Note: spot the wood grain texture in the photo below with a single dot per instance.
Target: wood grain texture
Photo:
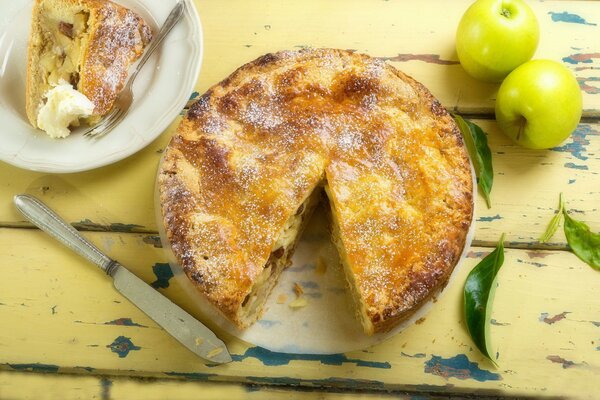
(545, 314)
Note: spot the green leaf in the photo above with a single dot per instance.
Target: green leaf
(476, 141)
(584, 243)
(554, 222)
(478, 296)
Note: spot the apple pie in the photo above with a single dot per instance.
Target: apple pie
(258, 151)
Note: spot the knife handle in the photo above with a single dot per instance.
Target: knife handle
(47, 220)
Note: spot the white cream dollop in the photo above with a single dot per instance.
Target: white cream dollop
(64, 106)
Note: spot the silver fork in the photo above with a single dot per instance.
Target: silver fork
(125, 98)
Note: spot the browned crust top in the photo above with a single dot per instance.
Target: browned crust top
(255, 145)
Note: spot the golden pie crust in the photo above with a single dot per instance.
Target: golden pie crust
(254, 147)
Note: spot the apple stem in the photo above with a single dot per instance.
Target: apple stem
(522, 123)
(505, 13)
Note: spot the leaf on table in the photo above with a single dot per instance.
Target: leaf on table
(584, 243)
(476, 141)
(478, 297)
(554, 222)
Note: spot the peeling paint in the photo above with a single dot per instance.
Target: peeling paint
(271, 358)
(545, 317)
(568, 18)
(122, 346)
(88, 225)
(35, 367)
(489, 219)
(495, 322)
(416, 355)
(459, 367)
(124, 322)
(579, 141)
(586, 87)
(559, 360)
(585, 58)
(576, 166)
(163, 274)
(153, 240)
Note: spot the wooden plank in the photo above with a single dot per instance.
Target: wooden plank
(525, 193)
(62, 315)
(417, 37)
(27, 385)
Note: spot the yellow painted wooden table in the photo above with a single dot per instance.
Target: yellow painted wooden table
(65, 333)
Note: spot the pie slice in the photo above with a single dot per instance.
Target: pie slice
(254, 153)
(79, 55)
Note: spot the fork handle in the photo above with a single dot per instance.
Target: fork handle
(47, 220)
(170, 22)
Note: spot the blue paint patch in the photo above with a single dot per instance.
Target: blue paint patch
(576, 166)
(163, 273)
(122, 346)
(459, 367)
(489, 219)
(416, 355)
(194, 95)
(36, 367)
(271, 358)
(579, 142)
(569, 18)
(268, 323)
(124, 322)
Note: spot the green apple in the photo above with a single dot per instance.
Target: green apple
(496, 36)
(539, 104)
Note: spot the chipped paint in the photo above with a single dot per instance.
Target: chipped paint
(489, 219)
(459, 367)
(497, 323)
(576, 166)
(35, 367)
(534, 263)
(153, 240)
(559, 360)
(122, 346)
(416, 355)
(579, 142)
(584, 58)
(428, 58)
(589, 89)
(568, 18)
(124, 322)
(163, 274)
(271, 358)
(545, 317)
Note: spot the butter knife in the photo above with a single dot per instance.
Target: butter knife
(181, 325)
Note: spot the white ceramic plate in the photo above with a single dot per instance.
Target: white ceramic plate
(327, 324)
(161, 91)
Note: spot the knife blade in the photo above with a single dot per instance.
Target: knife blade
(182, 326)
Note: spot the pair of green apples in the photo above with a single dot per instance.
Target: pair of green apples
(539, 102)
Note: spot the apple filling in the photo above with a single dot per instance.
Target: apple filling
(280, 258)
